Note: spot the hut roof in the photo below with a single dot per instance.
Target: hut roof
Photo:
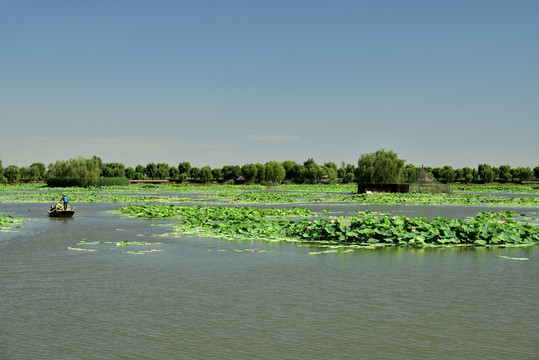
(423, 178)
(426, 183)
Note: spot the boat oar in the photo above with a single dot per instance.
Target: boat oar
(43, 212)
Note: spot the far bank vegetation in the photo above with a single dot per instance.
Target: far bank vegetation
(381, 166)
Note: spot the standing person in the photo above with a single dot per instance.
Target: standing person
(65, 201)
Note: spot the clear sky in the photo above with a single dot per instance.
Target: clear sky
(217, 82)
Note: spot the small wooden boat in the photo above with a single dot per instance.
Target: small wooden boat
(56, 212)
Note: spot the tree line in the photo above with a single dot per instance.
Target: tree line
(379, 167)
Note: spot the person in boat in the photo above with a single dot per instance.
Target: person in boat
(64, 201)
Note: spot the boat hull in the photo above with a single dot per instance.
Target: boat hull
(61, 213)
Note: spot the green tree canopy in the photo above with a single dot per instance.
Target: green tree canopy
(504, 173)
(275, 172)
(86, 171)
(447, 174)
(173, 172)
(410, 172)
(41, 170)
(35, 172)
(113, 169)
(195, 173)
(381, 167)
(150, 170)
(469, 174)
(162, 171)
(486, 173)
(98, 160)
(129, 173)
(205, 174)
(311, 172)
(217, 174)
(260, 173)
(12, 173)
(182, 177)
(331, 164)
(30, 173)
(248, 171)
(522, 173)
(288, 166)
(349, 177)
(231, 172)
(185, 168)
(329, 173)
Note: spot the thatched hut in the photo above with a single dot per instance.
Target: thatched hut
(426, 183)
(240, 181)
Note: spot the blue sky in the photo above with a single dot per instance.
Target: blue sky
(217, 82)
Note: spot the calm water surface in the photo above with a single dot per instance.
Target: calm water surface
(211, 299)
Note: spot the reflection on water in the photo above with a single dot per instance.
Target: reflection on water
(208, 298)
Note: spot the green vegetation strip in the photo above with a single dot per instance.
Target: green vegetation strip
(294, 194)
(497, 188)
(365, 229)
(7, 222)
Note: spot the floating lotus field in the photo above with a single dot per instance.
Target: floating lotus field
(7, 222)
(366, 229)
(299, 224)
(301, 194)
(385, 199)
(495, 188)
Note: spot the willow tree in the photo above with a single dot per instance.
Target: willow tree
(12, 173)
(381, 167)
(85, 172)
(205, 174)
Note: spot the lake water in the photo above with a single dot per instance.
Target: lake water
(203, 298)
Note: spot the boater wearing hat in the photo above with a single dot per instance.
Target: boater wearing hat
(65, 201)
